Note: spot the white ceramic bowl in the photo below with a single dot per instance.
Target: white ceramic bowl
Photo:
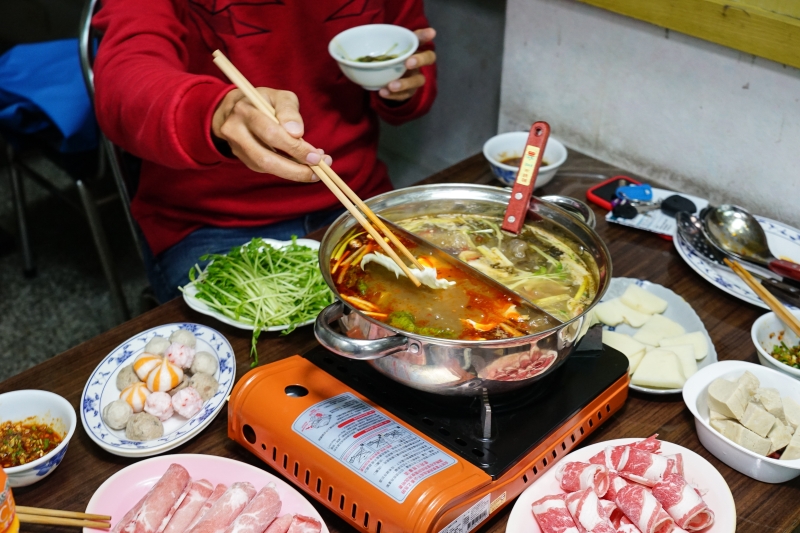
(737, 457)
(512, 144)
(765, 333)
(47, 408)
(373, 39)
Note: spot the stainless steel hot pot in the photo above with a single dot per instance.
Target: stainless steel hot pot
(452, 367)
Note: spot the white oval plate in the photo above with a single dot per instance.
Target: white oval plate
(699, 473)
(101, 389)
(190, 295)
(784, 241)
(122, 490)
(678, 310)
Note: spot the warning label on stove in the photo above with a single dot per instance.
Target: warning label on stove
(384, 453)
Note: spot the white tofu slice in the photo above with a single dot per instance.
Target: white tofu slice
(770, 399)
(755, 443)
(643, 301)
(633, 350)
(791, 412)
(696, 339)
(726, 398)
(685, 355)
(714, 415)
(749, 383)
(757, 419)
(792, 451)
(659, 369)
(656, 328)
(609, 313)
(779, 436)
(632, 317)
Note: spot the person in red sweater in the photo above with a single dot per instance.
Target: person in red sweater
(208, 179)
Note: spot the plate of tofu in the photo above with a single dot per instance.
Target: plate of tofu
(657, 330)
(748, 416)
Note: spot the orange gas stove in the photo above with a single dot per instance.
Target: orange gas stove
(390, 459)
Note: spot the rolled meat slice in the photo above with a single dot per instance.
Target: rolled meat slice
(261, 510)
(650, 444)
(613, 457)
(586, 511)
(576, 476)
(161, 499)
(626, 526)
(610, 510)
(677, 468)
(642, 508)
(280, 524)
(645, 467)
(304, 524)
(196, 496)
(552, 515)
(615, 484)
(128, 522)
(219, 490)
(226, 509)
(683, 503)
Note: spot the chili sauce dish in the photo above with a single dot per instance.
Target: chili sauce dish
(35, 429)
(778, 347)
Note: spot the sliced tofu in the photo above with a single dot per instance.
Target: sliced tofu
(723, 425)
(746, 438)
(792, 451)
(749, 383)
(609, 313)
(696, 339)
(770, 399)
(757, 419)
(633, 350)
(659, 369)
(779, 436)
(727, 398)
(645, 302)
(714, 415)
(656, 328)
(791, 412)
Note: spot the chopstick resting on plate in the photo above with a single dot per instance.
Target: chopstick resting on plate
(52, 517)
(786, 316)
(327, 175)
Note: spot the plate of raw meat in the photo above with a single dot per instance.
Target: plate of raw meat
(627, 485)
(198, 493)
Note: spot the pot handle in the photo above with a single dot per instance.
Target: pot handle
(353, 348)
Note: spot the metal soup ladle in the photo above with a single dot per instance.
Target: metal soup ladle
(739, 234)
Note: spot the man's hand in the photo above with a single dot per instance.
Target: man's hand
(252, 135)
(413, 79)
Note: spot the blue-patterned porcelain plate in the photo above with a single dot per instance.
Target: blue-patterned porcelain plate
(101, 389)
(784, 241)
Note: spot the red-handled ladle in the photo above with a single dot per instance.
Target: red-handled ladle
(739, 234)
(526, 177)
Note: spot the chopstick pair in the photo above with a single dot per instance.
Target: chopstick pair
(786, 316)
(52, 517)
(326, 174)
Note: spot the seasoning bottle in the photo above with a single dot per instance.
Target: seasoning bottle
(9, 523)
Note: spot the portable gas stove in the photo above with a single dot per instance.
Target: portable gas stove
(390, 459)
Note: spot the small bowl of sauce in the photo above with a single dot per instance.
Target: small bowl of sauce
(35, 429)
(504, 152)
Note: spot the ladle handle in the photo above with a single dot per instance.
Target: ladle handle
(526, 177)
(787, 269)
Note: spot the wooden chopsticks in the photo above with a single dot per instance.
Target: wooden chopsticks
(786, 316)
(52, 517)
(326, 174)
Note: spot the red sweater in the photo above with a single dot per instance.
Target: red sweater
(157, 88)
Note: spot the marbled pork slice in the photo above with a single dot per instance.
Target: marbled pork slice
(552, 515)
(641, 507)
(280, 524)
(127, 523)
(612, 457)
(586, 511)
(574, 476)
(196, 496)
(260, 512)
(304, 524)
(161, 499)
(615, 484)
(226, 509)
(219, 490)
(683, 503)
(645, 467)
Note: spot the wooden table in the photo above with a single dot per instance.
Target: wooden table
(759, 506)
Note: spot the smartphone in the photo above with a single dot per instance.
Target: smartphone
(603, 193)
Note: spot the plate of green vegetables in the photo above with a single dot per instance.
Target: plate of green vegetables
(263, 285)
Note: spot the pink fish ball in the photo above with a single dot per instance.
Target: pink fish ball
(180, 355)
(187, 402)
(159, 404)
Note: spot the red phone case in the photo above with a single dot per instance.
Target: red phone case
(602, 202)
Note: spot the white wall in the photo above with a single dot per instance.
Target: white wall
(469, 48)
(693, 115)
